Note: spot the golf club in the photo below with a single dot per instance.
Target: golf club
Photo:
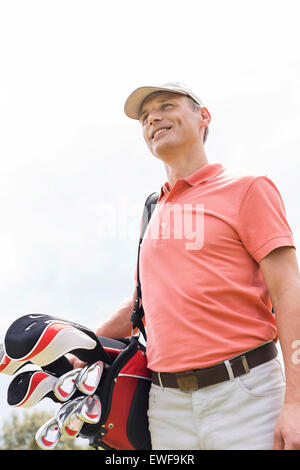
(89, 410)
(89, 377)
(69, 423)
(65, 386)
(48, 435)
(30, 387)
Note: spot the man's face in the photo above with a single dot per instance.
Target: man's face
(168, 122)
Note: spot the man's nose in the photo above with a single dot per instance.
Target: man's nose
(154, 116)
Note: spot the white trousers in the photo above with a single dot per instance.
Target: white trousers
(235, 415)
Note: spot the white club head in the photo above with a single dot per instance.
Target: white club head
(89, 410)
(48, 435)
(72, 426)
(69, 423)
(88, 379)
(65, 386)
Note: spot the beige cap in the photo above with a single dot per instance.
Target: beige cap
(137, 97)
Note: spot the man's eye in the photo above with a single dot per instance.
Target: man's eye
(165, 105)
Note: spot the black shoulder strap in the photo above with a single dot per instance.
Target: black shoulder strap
(138, 311)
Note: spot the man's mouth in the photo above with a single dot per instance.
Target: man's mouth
(159, 131)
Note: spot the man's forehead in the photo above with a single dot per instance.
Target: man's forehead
(160, 96)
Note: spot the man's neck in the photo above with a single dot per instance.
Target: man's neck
(183, 167)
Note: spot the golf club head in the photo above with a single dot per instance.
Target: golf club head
(48, 435)
(43, 339)
(89, 410)
(29, 388)
(65, 386)
(89, 377)
(69, 423)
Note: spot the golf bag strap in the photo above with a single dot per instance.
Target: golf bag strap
(138, 311)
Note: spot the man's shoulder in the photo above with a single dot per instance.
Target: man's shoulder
(241, 177)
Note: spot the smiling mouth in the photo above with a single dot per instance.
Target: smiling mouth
(160, 131)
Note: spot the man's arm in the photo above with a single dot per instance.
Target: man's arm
(281, 274)
(118, 325)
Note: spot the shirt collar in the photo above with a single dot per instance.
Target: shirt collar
(206, 172)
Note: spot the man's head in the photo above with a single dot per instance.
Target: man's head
(172, 117)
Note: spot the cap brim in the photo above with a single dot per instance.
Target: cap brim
(135, 100)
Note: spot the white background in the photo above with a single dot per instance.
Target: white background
(66, 147)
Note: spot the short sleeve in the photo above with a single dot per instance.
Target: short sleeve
(262, 223)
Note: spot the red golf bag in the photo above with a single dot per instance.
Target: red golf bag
(123, 391)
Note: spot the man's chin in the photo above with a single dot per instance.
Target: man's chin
(163, 150)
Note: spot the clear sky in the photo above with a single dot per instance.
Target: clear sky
(68, 152)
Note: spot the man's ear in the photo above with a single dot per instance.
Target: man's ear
(206, 117)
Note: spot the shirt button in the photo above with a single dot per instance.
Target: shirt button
(168, 203)
(163, 224)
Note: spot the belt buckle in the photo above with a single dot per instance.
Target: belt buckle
(187, 381)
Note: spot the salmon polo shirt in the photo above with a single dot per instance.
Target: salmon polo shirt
(204, 296)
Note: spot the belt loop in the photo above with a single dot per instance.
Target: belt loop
(160, 381)
(229, 370)
(245, 364)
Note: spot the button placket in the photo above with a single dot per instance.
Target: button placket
(168, 206)
(165, 216)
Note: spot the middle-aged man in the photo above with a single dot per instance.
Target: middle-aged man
(211, 332)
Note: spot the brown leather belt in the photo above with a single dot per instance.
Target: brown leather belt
(192, 380)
